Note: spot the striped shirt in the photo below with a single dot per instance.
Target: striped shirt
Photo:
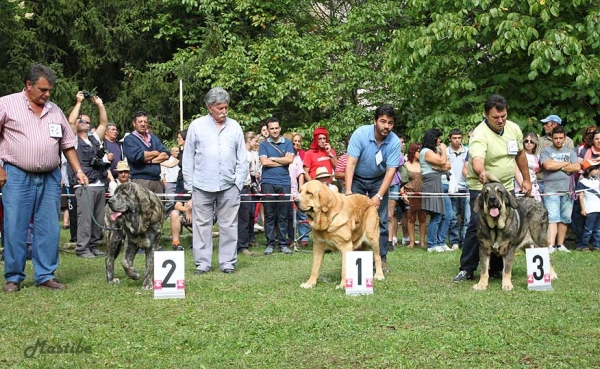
(25, 139)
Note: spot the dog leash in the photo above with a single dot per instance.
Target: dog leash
(87, 195)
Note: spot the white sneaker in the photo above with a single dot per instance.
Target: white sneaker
(563, 248)
(433, 249)
(394, 241)
(551, 249)
(444, 248)
(405, 240)
(258, 227)
(455, 247)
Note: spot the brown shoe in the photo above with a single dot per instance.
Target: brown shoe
(10, 287)
(52, 284)
(246, 252)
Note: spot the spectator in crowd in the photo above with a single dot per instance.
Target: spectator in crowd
(144, 153)
(412, 191)
(434, 164)
(35, 131)
(532, 151)
(592, 148)
(496, 146)
(550, 122)
(296, 170)
(587, 141)
(113, 146)
(169, 172)
(180, 215)
(402, 203)
(95, 164)
(589, 200)
(320, 154)
(340, 168)
(276, 154)
(122, 177)
(393, 199)
(373, 156)
(264, 131)
(324, 176)
(457, 154)
(215, 169)
(246, 210)
(558, 163)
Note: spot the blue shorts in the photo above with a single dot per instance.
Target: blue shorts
(559, 208)
(394, 192)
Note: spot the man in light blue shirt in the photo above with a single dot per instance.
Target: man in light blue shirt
(373, 156)
(214, 169)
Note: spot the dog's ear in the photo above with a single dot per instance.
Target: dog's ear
(512, 201)
(325, 198)
(489, 178)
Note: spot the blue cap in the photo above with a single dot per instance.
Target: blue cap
(552, 118)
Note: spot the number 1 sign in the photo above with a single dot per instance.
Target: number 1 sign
(538, 268)
(359, 273)
(169, 278)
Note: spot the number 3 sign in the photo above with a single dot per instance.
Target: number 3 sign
(538, 268)
(169, 278)
(359, 273)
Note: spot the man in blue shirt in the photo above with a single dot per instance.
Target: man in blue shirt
(373, 156)
(214, 169)
(276, 154)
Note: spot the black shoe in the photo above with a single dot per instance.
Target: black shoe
(86, 255)
(462, 276)
(200, 271)
(228, 271)
(97, 252)
(495, 274)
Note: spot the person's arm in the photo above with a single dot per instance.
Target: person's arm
(306, 175)
(518, 176)
(75, 112)
(465, 169)
(73, 160)
(350, 166)
(385, 185)
(571, 168)
(102, 118)
(582, 204)
(437, 159)
(479, 167)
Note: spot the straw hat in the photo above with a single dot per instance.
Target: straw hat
(323, 172)
(122, 167)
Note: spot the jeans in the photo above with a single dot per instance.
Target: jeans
(469, 258)
(245, 212)
(276, 212)
(370, 187)
(591, 230)
(456, 233)
(303, 227)
(28, 195)
(445, 224)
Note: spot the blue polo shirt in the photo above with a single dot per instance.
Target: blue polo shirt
(276, 175)
(363, 147)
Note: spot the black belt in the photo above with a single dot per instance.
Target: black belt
(368, 179)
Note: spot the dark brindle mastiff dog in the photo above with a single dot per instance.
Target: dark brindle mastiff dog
(134, 218)
(506, 224)
(339, 223)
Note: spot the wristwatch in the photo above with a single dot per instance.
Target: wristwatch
(379, 196)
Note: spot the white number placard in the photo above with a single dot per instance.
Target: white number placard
(169, 274)
(538, 268)
(359, 273)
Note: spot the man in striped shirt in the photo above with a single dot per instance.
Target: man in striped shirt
(33, 131)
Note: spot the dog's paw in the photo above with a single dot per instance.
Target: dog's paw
(115, 281)
(340, 286)
(507, 286)
(553, 275)
(148, 287)
(379, 277)
(480, 287)
(307, 285)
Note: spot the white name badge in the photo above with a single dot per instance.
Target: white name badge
(359, 273)
(512, 147)
(378, 157)
(55, 130)
(538, 268)
(169, 274)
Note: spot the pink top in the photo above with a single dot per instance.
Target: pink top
(25, 139)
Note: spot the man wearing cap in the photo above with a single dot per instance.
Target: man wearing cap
(122, 170)
(373, 156)
(320, 154)
(550, 122)
(558, 163)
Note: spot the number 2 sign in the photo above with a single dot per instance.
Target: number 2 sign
(359, 273)
(538, 268)
(169, 278)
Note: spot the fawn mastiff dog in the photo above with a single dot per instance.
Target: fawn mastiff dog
(506, 224)
(133, 218)
(339, 223)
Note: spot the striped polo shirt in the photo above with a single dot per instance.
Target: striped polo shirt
(25, 139)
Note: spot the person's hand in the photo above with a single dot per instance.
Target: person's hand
(481, 176)
(82, 179)
(97, 100)
(188, 205)
(188, 217)
(110, 156)
(583, 212)
(2, 177)
(376, 201)
(526, 187)
(79, 97)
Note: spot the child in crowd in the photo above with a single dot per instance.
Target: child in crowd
(590, 205)
(323, 175)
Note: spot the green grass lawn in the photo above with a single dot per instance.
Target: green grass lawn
(259, 317)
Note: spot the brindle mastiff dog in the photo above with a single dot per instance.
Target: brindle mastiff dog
(339, 223)
(134, 218)
(506, 224)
